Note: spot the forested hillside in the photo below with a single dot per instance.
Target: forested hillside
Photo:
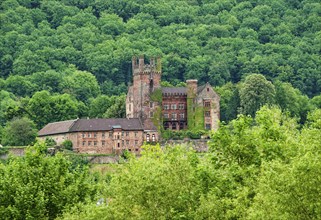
(65, 59)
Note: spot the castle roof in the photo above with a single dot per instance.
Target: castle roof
(180, 90)
(100, 124)
(59, 127)
(107, 124)
(173, 90)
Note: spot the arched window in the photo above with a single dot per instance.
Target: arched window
(147, 138)
(153, 138)
(151, 86)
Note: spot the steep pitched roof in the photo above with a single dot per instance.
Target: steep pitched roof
(172, 90)
(59, 127)
(107, 124)
(200, 88)
(101, 124)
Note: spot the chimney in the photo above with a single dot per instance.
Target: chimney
(134, 63)
(141, 63)
(191, 88)
(159, 65)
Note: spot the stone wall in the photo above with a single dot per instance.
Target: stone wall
(16, 151)
(199, 145)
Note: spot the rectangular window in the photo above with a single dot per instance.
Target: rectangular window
(95, 134)
(122, 134)
(103, 135)
(207, 126)
(136, 142)
(110, 134)
(89, 143)
(181, 106)
(173, 106)
(95, 143)
(166, 106)
(174, 116)
(83, 143)
(127, 133)
(207, 114)
(127, 142)
(166, 116)
(83, 135)
(181, 116)
(151, 104)
(103, 143)
(89, 135)
(136, 133)
(151, 114)
(207, 104)
(123, 142)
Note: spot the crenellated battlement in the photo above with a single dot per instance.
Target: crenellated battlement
(139, 67)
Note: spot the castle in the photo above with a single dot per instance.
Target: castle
(150, 108)
(189, 107)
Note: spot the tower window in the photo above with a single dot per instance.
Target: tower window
(153, 137)
(207, 113)
(207, 126)
(151, 86)
(207, 104)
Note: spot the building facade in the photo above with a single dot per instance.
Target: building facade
(149, 108)
(100, 136)
(174, 108)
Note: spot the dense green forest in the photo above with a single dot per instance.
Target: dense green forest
(66, 59)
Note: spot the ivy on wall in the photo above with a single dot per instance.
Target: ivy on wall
(195, 115)
(156, 96)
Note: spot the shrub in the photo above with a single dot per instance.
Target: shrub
(67, 144)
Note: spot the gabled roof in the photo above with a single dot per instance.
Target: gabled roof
(172, 90)
(59, 127)
(200, 88)
(100, 124)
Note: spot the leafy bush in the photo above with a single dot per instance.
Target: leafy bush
(67, 144)
(50, 142)
(40, 187)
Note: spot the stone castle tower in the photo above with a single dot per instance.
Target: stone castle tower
(146, 79)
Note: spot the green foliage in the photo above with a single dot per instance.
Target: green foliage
(84, 48)
(160, 184)
(40, 187)
(292, 100)
(50, 142)
(19, 132)
(156, 96)
(229, 101)
(180, 135)
(67, 144)
(45, 108)
(83, 85)
(255, 92)
(117, 109)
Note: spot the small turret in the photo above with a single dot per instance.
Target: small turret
(191, 88)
